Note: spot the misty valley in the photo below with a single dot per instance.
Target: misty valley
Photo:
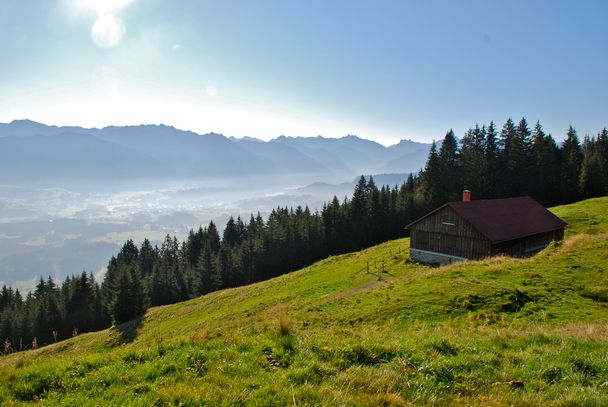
(60, 220)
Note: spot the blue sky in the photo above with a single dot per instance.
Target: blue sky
(384, 70)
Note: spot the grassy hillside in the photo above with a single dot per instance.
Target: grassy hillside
(334, 334)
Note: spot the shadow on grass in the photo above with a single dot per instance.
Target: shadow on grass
(128, 330)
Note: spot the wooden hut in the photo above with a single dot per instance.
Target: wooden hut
(473, 229)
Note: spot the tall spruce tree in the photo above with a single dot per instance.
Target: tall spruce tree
(431, 178)
(545, 172)
(591, 180)
(471, 160)
(509, 145)
(449, 176)
(130, 299)
(572, 158)
(491, 174)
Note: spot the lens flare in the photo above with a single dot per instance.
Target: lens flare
(107, 6)
(107, 31)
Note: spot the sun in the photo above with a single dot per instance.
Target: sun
(108, 30)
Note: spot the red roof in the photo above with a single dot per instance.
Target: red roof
(501, 220)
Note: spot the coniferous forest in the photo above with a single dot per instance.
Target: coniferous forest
(516, 160)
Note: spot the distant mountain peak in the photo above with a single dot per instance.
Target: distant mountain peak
(246, 138)
(23, 121)
(27, 123)
(405, 142)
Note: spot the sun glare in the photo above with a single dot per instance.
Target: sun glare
(107, 6)
(107, 31)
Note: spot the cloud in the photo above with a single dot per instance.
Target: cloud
(108, 30)
(176, 47)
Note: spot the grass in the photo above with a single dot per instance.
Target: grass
(331, 334)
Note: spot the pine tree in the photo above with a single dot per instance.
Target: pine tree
(544, 174)
(602, 154)
(514, 158)
(357, 215)
(592, 182)
(572, 158)
(128, 253)
(129, 301)
(204, 272)
(509, 145)
(449, 177)
(213, 238)
(491, 174)
(231, 234)
(472, 160)
(217, 279)
(148, 256)
(358, 204)
(431, 178)
(168, 284)
(80, 306)
(373, 227)
(108, 286)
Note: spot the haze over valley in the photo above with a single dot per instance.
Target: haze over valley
(71, 196)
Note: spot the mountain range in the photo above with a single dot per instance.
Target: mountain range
(34, 151)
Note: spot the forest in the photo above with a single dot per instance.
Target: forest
(515, 161)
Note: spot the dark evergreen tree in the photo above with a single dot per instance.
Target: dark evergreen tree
(204, 271)
(544, 176)
(430, 178)
(449, 190)
(148, 256)
(491, 175)
(129, 302)
(232, 235)
(471, 160)
(592, 181)
(80, 305)
(513, 154)
(602, 151)
(571, 161)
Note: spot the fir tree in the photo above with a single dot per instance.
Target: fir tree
(491, 174)
(591, 180)
(431, 176)
(449, 177)
(129, 301)
(572, 158)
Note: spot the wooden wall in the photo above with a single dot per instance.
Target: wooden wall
(528, 245)
(446, 232)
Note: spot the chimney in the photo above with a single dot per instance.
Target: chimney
(466, 196)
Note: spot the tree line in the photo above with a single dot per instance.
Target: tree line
(513, 162)
(50, 312)
(516, 161)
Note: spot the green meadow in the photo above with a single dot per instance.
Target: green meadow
(363, 329)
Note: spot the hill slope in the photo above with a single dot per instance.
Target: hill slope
(333, 334)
